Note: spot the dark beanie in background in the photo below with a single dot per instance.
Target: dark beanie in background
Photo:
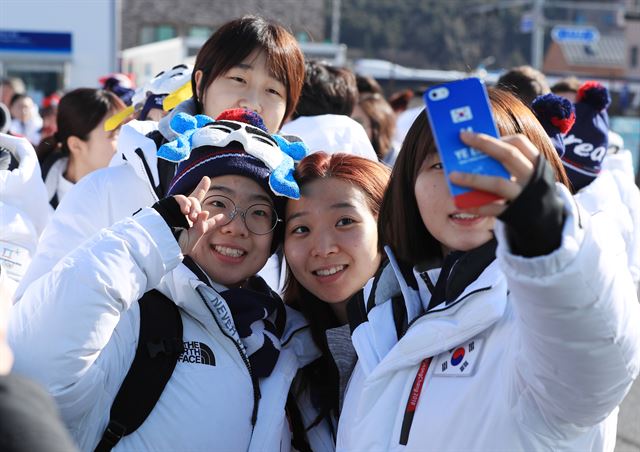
(557, 116)
(587, 141)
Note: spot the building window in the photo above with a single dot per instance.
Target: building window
(200, 32)
(634, 57)
(153, 33)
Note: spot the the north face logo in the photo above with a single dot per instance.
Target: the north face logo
(197, 353)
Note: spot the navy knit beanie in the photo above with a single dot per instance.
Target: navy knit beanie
(236, 143)
(557, 116)
(586, 143)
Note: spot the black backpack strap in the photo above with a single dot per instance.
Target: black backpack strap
(159, 346)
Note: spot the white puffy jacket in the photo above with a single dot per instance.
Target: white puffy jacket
(76, 329)
(24, 209)
(535, 354)
(614, 191)
(108, 195)
(98, 200)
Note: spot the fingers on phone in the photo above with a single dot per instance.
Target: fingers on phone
(524, 145)
(499, 186)
(515, 152)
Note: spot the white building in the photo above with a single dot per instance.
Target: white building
(55, 44)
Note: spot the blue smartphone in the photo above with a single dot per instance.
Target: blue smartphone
(453, 107)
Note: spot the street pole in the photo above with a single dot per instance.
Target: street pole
(537, 36)
(335, 22)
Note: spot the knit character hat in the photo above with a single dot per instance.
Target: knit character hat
(557, 116)
(153, 94)
(587, 141)
(238, 143)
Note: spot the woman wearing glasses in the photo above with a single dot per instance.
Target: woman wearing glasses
(200, 247)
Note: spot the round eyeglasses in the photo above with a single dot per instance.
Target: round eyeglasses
(260, 219)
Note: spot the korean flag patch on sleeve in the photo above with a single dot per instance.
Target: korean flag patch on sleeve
(460, 361)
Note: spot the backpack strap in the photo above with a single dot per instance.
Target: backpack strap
(159, 346)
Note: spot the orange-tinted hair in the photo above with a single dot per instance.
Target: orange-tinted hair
(371, 178)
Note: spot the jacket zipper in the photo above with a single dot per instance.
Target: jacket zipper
(147, 170)
(245, 360)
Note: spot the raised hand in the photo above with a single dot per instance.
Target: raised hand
(199, 221)
(515, 152)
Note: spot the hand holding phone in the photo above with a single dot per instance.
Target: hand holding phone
(451, 108)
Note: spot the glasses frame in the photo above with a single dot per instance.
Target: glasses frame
(243, 213)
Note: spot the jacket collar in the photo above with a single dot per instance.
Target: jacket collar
(385, 342)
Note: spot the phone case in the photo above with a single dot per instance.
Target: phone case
(452, 107)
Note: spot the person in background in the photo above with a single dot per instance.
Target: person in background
(517, 320)
(9, 87)
(249, 63)
(399, 101)
(119, 84)
(525, 82)
(567, 88)
(49, 112)
(331, 249)
(603, 181)
(147, 103)
(322, 118)
(80, 145)
(5, 119)
(25, 118)
(375, 114)
(368, 84)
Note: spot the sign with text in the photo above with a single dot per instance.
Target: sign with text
(575, 34)
(26, 41)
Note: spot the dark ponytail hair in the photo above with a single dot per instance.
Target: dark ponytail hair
(79, 112)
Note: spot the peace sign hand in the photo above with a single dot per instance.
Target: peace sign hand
(198, 219)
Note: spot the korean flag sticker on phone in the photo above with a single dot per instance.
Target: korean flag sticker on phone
(460, 361)
(461, 114)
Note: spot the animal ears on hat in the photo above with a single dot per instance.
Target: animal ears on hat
(185, 125)
(555, 113)
(297, 150)
(594, 94)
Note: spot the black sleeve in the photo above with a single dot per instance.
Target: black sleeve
(169, 210)
(535, 219)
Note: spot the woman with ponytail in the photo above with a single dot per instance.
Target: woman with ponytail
(81, 145)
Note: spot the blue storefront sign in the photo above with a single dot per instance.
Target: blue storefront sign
(26, 41)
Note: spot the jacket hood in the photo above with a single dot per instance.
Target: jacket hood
(331, 134)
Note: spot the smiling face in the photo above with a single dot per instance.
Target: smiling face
(247, 85)
(230, 254)
(331, 240)
(456, 231)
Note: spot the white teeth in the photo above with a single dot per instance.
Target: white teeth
(226, 251)
(329, 271)
(464, 216)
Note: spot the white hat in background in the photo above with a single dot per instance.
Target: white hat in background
(331, 134)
